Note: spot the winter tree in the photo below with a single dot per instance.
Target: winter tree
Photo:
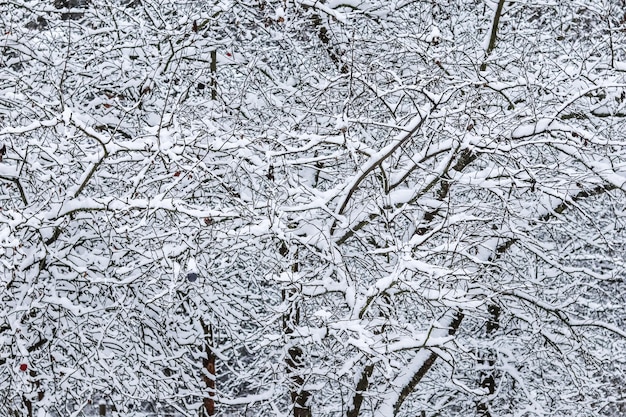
(313, 208)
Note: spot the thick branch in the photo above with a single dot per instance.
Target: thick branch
(494, 34)
(420, 365)
(361, 387)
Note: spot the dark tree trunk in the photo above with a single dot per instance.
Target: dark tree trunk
(487, 360)
(208, 365)
(361, 387)
(300, 398)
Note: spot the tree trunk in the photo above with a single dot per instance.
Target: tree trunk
(361, 387)
(208, 375)
(213, 68)
(300, 398)
(494, 34)
(487, 360)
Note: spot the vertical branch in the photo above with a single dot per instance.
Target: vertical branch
(28, 402)
(208, 370)
(494, 34)
(29, 406)
(361, 387)
(363, 383)
(299, 397)
(213, 69)
(487, 360)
